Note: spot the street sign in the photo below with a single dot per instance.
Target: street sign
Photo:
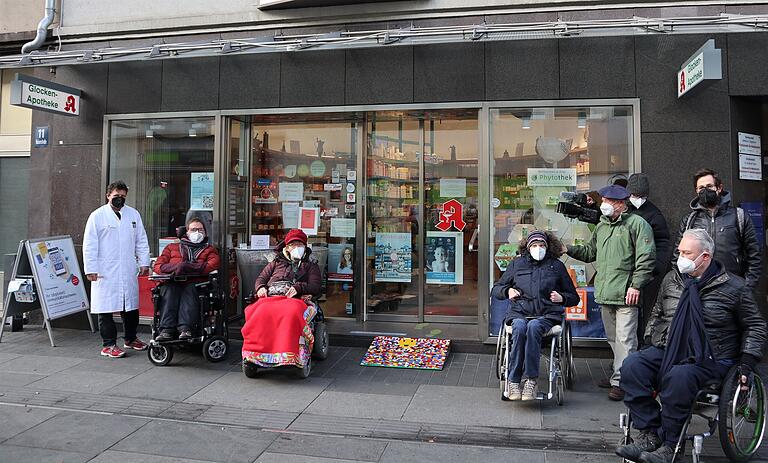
(33, 93)
(41, 137)
(704, 65)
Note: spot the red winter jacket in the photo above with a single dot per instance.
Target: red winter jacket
(171, 261)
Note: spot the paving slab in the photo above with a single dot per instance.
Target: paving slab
(38, 364)
(192, 440)
(4, 357)
(18, 379)
(16, 420)
(359, 405)
(18, 454)
(171, 382)
(367, 386)
(584, 411)
(573, 457)
(78, 432)
(268, 392)
(132, 365)
(285, 458)
(477, 406)
(112, 456)
(398, 452)
(80, 381)
(337, 448)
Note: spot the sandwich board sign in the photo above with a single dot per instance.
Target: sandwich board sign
(46, 276)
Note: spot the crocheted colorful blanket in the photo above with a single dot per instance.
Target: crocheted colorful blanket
(397, 352)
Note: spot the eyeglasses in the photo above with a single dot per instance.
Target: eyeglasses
(196, 229)
(708, 187)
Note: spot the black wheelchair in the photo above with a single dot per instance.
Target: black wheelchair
(738, 416)
(319, 331)
(561, 372)
(212, 332)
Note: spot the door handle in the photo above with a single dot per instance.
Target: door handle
(473, 241)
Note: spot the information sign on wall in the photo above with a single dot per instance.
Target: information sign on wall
(33, 93)
(704, 65)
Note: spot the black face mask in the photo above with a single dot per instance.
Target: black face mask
(118, 202)
(708, 198)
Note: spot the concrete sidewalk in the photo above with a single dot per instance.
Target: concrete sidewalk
(69, 404)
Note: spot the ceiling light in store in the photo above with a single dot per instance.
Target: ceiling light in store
(526, 122)
(192, 132)
(149, 134)
(582, 121)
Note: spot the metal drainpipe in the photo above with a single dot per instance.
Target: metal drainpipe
(42, 28)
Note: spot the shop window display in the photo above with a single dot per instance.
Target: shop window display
(537, 154)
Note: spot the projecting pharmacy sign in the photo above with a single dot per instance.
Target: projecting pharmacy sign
(704, 65)
(34, 93)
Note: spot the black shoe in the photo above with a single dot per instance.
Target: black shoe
(184, 335)
(646, 441)
(165, 335)
(663, 454)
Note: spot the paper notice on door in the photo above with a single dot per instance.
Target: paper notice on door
(259, 241)
(343, 228)
(291, 191)
(290, 215)
(309, 220)
(453, 188)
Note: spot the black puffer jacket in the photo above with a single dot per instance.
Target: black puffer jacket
(661, 236)
(732, 319)
(536, 280)
(738, 252)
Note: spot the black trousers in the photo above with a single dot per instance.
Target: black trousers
(108, 329)
(677, 391)
(180, 306)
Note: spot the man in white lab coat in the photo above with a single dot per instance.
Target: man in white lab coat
(115, 247)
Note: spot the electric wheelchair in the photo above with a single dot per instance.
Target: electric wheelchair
(738, 417)
(317, 325)
(561, 372)
(212, 332)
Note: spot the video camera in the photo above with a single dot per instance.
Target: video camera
(575, 206)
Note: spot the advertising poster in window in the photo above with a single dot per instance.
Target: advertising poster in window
(393, 257)
(444, 258)
(201, 191)
(340, 259)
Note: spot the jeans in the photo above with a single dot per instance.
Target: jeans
(677, 390)
(180, 306)
(620, 322)
(526, 347)
(108, 330)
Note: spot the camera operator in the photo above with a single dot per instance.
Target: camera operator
(624, 253)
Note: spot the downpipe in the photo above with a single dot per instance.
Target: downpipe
(42, 28)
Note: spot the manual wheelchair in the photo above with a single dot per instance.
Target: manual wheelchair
(212, 332)
(561, 372)
(739, 419)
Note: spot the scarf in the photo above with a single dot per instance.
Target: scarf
(191, 251)
(687, 337)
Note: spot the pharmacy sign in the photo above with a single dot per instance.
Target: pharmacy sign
(33, 93)
(704, 65)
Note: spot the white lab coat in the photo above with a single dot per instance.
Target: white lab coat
(115, 249)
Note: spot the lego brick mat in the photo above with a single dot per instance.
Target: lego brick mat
(416, 353)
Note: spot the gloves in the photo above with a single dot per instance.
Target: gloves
(746, 367)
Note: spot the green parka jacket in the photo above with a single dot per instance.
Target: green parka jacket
(624, 254)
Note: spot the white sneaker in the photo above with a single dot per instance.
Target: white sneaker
(530, 391)
(515, 393)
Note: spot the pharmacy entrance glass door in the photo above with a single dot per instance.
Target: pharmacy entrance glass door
(422, 216)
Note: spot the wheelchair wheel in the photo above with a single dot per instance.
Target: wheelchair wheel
(742, 417)
(320, 348)
(160, 355)
(215, 348)
(250, 370)
(566, 356)
(501, 362)
(559, 389)
(303, 373)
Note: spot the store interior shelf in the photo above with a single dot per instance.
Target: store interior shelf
(375, 178)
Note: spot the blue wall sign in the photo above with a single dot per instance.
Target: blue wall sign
(41, 136)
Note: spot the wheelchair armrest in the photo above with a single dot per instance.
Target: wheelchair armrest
(250, 298)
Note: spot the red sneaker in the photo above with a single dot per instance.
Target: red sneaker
(112, 352)
(136, 344)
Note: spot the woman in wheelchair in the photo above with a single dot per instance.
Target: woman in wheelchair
(538, 287)
(277, 329)
(180, 306)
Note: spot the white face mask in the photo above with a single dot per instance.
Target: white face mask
(195, 236)
(686, 265)
(538, 253)
(297, 252)
(607, 209)
(637, 202)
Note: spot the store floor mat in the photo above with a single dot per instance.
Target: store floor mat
(397, 352)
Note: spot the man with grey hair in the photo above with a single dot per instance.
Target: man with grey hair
(705, 321)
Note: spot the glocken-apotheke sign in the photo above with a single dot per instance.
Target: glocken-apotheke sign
(704, 65)
(33, 93)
